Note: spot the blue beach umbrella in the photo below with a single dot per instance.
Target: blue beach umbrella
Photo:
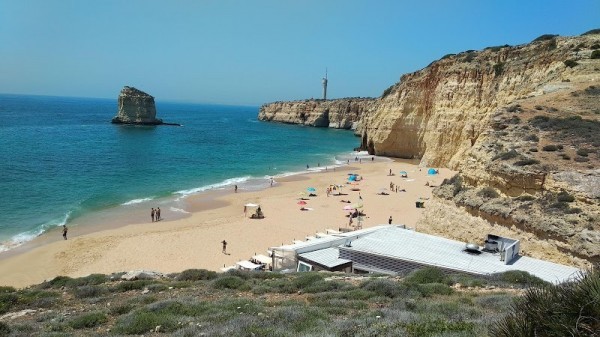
(311, 189)
(432, 171)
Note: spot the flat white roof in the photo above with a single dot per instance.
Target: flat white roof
(408, 245)
(328, 257)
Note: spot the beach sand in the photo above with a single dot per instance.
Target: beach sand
(195, 241)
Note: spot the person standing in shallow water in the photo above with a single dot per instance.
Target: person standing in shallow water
(152, 214)
(65, 230)
(158, 214)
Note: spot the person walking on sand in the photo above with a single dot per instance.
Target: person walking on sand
(224, 246)
(65, 230)
(235, 188)
(158, 214)
(390, 220)
(152, 213)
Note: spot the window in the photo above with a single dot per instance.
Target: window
(302, 266)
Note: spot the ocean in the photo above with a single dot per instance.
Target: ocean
(62, 161)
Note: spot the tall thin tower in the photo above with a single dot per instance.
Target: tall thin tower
(325, 85)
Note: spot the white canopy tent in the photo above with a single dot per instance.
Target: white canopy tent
(247, 265)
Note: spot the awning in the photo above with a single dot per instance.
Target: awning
(262, 259)
(248, 265)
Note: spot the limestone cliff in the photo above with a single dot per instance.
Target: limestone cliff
(520, 123)
(337, 113)
(136, 107)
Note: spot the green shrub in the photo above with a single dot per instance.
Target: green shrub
(88, 320)
(550, 148)
(568, 309)
(140, 322)
(7, 289)
(488, 193)
(545, 37)
(498, 69)
(7, 301)
(565, 156)
(570, 63)
(388, 91)
(384, 287)
(565, 197)
(430, 289)
(4, 329)
(57, 282)
(132, 285)
(447, 56)
(93, 279)
(595, 46)
(582, 159)
(592, 32)
(121, 309)
(526, 162)
(520, 277)
(426, 275)
(583, 152)
(533, 149)
(532, 138)
(196, 275)
(507, 155)
(303, 280)
(438, 327)
(595, 54)
(526, 197)
(89, 291)
(230, 282)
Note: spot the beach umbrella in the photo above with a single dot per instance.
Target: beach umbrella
(311, 189)
(301, 202)
(348, 208)
(403, 173)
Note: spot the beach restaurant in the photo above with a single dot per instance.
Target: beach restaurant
(395, 250)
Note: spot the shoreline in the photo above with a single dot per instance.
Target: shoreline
(194, 241)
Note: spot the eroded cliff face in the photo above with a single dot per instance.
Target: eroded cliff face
(521, 124)
(136, 107)
(337, 113)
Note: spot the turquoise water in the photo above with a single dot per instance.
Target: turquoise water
(61, 158)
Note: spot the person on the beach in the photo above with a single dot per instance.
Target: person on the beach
(390, 220)
(152, 214)
(158, 214)
(235, 188)
(271, 181)
(224, 246)
(65, 230)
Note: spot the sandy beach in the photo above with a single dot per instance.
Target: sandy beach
(195, 241)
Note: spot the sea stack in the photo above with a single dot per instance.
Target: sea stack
(136, 107)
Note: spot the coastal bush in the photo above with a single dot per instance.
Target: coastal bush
(570, 63)
(132, 285)
(57, 282)
(122, 309)
(498, 69)
(545, 37)
(595, 54)
(507, 155)
(532, 138)
(583, 152)
(526, 197)
(496, 48)
(4, 329)
(595, 46)
(427, 275)
(230, 282)
(140, 322)
(384, 287)
(533, 149)
(518, 277)
(88, 320)
(488, 193)
(567, 309)
(430, 289)
(550, 148)
(564, 196)
(582, 159)
(526, 162)
(387, 91)
(196, 275)
(7, 289)
(592, 32)
(7, 301)
(438, 327)
(565, 156)
(89, 291)
(303, 280)
(447, 56)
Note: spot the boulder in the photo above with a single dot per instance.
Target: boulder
(136, 107)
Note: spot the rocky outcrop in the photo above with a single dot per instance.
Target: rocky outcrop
(136, 107)
(337, 113)
(519, 123)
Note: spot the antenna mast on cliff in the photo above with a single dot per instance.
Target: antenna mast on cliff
(325, 85)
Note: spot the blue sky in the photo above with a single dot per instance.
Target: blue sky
(253, 52)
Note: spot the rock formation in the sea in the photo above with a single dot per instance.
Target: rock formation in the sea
(341, 113)
(520, 123)
(136, 107)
